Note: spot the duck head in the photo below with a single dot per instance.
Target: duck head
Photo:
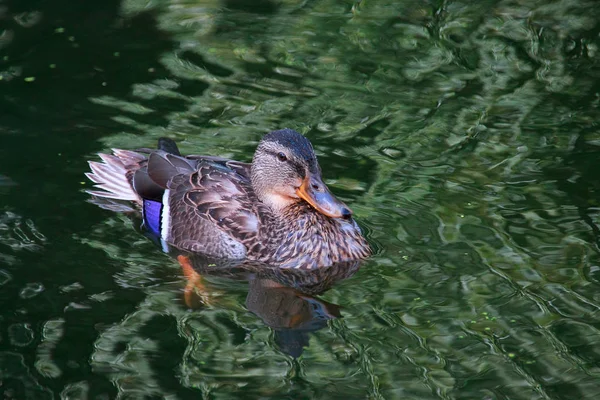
(285, 171)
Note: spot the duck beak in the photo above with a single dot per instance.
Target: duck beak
(314, 191)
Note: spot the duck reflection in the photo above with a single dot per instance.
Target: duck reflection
(284, 299)
(291, 314)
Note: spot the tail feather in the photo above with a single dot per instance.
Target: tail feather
(168, 145)
(129, 157)
(112, 179)
(113, 176)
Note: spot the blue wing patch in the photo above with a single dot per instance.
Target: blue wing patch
(152, 215)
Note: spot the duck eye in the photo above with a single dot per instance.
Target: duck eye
(281, 157)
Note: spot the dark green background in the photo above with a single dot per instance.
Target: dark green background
(464, 135)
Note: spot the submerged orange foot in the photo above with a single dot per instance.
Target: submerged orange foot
(195, 293)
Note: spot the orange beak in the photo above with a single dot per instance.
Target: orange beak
(314, 191)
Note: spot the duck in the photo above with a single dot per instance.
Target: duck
(275, 210)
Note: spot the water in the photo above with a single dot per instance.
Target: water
(463, 135)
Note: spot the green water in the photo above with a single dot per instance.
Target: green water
(464, 136)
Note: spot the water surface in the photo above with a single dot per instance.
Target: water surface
(463, 135)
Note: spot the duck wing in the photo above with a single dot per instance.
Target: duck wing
(220, 192)
(206, 204)
(151, 179)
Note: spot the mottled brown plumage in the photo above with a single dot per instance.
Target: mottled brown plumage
(276, 210)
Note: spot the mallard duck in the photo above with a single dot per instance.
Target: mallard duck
(276, 210)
